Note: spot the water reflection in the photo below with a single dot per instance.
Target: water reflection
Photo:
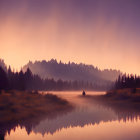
(81, 116)
(126, 111)
(87, 111)
(29, 123)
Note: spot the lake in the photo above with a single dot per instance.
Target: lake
(89, 120)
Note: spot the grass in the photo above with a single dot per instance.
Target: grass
(19, 105)
(128, 94)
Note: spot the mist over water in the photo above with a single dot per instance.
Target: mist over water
(89, 120)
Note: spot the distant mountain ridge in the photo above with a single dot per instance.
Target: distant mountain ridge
(71, 71)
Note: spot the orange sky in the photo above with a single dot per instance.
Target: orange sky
(69, 32)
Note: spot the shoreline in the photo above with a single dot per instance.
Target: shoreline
(21, 105)
(123, 100)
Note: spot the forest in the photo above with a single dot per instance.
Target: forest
(127, 81)
(27, 81)
(71, 71)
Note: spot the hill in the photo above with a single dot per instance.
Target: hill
(72, 71)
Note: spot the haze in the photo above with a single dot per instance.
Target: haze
(104, 33)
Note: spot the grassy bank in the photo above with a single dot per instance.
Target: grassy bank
(128, 94)
(18, 105)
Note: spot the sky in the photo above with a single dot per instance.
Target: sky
(104, 33)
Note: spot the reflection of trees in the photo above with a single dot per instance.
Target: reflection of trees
(124, 110)
(97, 110)
(29, 123)
(81, 116)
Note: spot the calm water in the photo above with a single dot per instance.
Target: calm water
(90, 120)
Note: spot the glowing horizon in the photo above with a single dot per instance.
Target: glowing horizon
(102, 33)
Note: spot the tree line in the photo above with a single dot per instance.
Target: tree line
(127, 81)
(27, 81)
(72, 71)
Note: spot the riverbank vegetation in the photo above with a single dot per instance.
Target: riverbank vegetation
(127, 87)
(19, 105)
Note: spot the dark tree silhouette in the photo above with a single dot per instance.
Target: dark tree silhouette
(127, 81)
(28, 81)
(3, 79)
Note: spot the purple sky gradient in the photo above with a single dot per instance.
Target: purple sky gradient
(105, 33)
